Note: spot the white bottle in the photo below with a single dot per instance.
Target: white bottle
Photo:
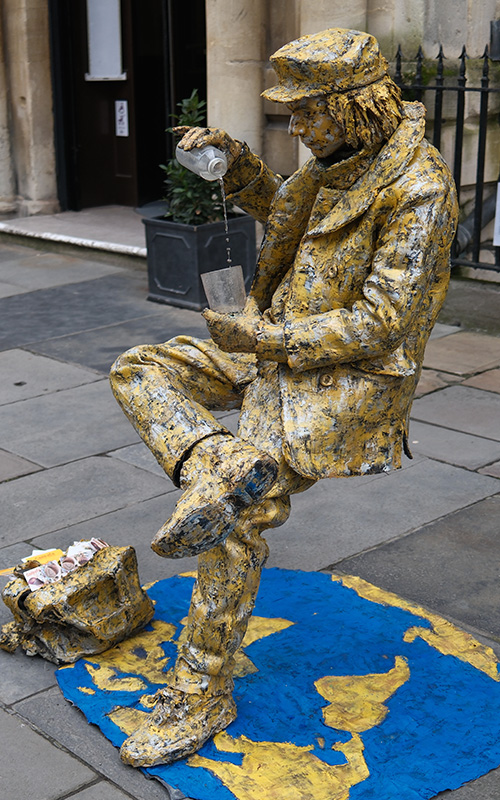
(208, 162)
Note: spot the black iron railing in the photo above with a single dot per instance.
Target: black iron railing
(415, 81)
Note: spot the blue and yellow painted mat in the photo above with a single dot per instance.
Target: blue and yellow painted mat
(344, 691)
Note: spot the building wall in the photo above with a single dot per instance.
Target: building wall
(241, 34)
(235, 49)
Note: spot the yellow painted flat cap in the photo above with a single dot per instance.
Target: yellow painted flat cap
(334, 60)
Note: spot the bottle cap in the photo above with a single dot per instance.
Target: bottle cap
(216, 166)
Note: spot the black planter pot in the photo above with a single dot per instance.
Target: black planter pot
(178, 254)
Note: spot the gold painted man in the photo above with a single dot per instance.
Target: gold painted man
(323, 361)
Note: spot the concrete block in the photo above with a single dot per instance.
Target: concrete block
(27, 375)
(449, 566)
(463, 353)
(444, 444)
(50, 500)
(12, 466)
(345, 516)
(66, 425)
(56, 773)
(66, 725)
(461, 408)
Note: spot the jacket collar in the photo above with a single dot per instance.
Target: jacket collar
(390, 162)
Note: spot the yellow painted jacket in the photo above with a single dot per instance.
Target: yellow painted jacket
(355, 265)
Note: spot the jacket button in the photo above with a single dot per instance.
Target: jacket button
(326, 379)
(333, 271)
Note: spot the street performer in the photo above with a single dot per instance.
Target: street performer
(323, 361)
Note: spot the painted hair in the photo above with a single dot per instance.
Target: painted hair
(370, 114)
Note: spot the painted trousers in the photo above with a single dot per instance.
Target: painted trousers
(169, 391)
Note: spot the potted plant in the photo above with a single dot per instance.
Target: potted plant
(190, 238)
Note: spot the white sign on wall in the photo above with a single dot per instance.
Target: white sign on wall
(121, 117)
(104, 31)
(496, 232)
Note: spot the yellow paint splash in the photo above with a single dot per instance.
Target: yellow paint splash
(142, 655)
(444, 637)
(283, 771)
(127, 719)
(86, 690)
(357, 701)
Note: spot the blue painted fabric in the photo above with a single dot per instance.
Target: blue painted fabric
(443, 725)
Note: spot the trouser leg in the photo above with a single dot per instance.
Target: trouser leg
(223, 600)
(229, 575)
(168, 392)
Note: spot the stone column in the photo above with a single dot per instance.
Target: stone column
(26, 38)
(7, 187)
(235, 43)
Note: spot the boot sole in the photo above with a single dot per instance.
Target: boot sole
(209, 525)
(132, 756)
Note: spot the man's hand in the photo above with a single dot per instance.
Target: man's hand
(200, 137)
(234, 333)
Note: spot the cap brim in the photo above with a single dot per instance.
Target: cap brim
(285, 94)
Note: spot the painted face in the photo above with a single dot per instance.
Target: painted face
(317, 129)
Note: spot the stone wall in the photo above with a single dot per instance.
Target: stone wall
(236, 49)
(27, 160)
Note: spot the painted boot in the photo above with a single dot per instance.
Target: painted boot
(222, 476)
(178, 726)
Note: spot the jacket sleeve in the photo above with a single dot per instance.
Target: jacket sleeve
(251, 185)
(412, 247)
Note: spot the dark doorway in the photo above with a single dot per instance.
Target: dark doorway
(110, 134)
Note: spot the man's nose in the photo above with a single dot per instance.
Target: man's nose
(296, 125)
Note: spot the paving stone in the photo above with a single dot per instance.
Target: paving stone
(22, 675)
(472, 305)
(485, 788)
(450, 566)
(440, 330)
(66, 425)
(99, 347)
(430, 381)
(33, 269)
(28, 375)
(444, 444)
(12, 466)
(134, 525)
(461, 408)
(491, 469)
(140, 456)
(49, 313)
(67, 725)
(103, 791)
(345, 516)
(463, 353)
(490, 381)
(56, 773)
(52, 499)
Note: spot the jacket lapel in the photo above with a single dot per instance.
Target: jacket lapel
(389, 164)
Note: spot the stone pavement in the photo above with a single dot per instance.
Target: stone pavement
(72, 467)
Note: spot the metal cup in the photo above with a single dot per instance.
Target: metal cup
(225, 289)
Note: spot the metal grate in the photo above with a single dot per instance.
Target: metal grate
(468, 246)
